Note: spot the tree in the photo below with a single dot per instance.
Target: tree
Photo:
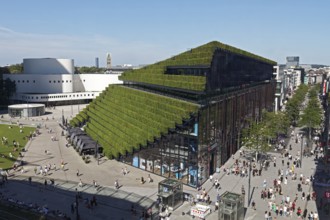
(277, 122)
(93, 69)
(312, 114)
(293, 106)
(16, 68)
(256, 137)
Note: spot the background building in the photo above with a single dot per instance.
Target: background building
(52, 81)
(292, 62)
(26, 110)
(109, 62)
(97, 62)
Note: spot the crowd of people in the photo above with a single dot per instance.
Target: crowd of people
(280, 203)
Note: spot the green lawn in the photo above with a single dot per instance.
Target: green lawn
(12, 134)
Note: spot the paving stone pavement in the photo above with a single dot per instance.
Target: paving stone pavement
(116, 204)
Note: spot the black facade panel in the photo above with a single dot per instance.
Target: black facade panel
(232, 70)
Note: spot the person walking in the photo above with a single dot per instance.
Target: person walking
(116, 184)
(149, 178)
(254, 205)
(266, 215)
(304, 215)
(78, 172)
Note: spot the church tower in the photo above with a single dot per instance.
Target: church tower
(108, 60)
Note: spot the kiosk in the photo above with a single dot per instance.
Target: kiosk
(231, 206)
(200, 210)
(170, 193)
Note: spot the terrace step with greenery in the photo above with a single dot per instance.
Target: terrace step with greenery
(203, 55)
(123, 119)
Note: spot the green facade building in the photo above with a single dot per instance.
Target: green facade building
(182, 117)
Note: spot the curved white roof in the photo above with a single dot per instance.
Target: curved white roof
(20, 106)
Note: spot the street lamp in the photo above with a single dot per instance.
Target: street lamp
(71, 107)
(249, 190)
(96, 152)
(301, 148)
(63, 121)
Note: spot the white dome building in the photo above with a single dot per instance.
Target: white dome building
(26, 110)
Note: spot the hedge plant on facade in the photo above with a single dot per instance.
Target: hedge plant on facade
(123, 119)
(203, 55)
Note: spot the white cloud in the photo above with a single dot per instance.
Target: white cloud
(14, 46)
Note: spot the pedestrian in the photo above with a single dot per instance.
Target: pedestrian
(266, 215)
(30, 180)
(123, 171)
(35, 170)
(149, 178)
(304, 214)
(95, 184)
(80, 183)
(116, 184)
(77, 172)
(253, 205)
(282, 162)
(72, 208)
(142, 180)
(299, 211)
(45, 183)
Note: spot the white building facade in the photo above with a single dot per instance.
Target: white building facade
(53, 80)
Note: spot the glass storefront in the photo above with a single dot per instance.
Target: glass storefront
(191, 154)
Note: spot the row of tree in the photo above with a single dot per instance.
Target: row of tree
(18, 68)
(260, 134)
(15, 68)
(312, 116)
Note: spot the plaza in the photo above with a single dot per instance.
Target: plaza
(116, 204)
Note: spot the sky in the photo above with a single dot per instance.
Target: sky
(142, 32)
